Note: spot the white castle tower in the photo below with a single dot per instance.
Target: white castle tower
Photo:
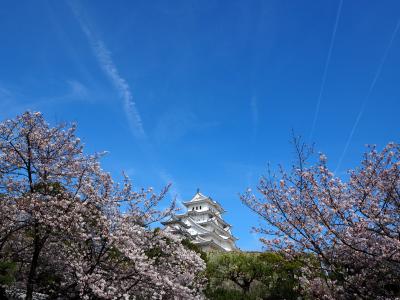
(203, 224)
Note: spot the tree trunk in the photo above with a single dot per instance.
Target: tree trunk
(246, 287)
(34, 263)
(243, 284)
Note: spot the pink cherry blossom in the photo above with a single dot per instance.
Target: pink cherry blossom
(63, 215)
(352, 227)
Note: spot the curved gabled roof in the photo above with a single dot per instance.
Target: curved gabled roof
(207, 212)
(204, 231)
(193, 223)
(206, 227)
(175, 220)
(210, 243)
(200, 198)
(223, 234)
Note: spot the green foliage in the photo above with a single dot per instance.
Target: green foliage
(7, 272)
(239, 267)
(228, 294)
(241, 275)
(49, 188)
(282, 278)
(48, 280)
(189, 245)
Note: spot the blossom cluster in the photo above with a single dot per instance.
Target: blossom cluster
(73, 232)
(352, 227)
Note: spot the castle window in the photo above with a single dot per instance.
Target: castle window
(200, 206)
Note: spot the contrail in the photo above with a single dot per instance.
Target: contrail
(324, 75)
(108, 66)
(371, 87)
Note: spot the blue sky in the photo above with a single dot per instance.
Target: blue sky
(203, 94)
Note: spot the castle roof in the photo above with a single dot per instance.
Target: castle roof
(218, 230)
(211, 243)
(203, 223)
(200, 198)
(208, 212)
(175, 220)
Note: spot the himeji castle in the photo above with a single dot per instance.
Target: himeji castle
(203, 224)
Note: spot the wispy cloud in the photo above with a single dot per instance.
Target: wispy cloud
(5, 94)
(254, 113)
(77, 89)
(174, 124)
(325, 73)
(370, 89)
(14, 101)
(7, 100)
(174, 192)
(108, 66)
(177, 122)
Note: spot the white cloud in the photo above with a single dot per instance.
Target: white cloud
(109, 68)
(5, 94)
(173, 190)
(177, 122)
(77, 89)
(254, 113)
(15, 101)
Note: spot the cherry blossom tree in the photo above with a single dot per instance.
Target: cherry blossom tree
(73, 232)
(352, 226)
